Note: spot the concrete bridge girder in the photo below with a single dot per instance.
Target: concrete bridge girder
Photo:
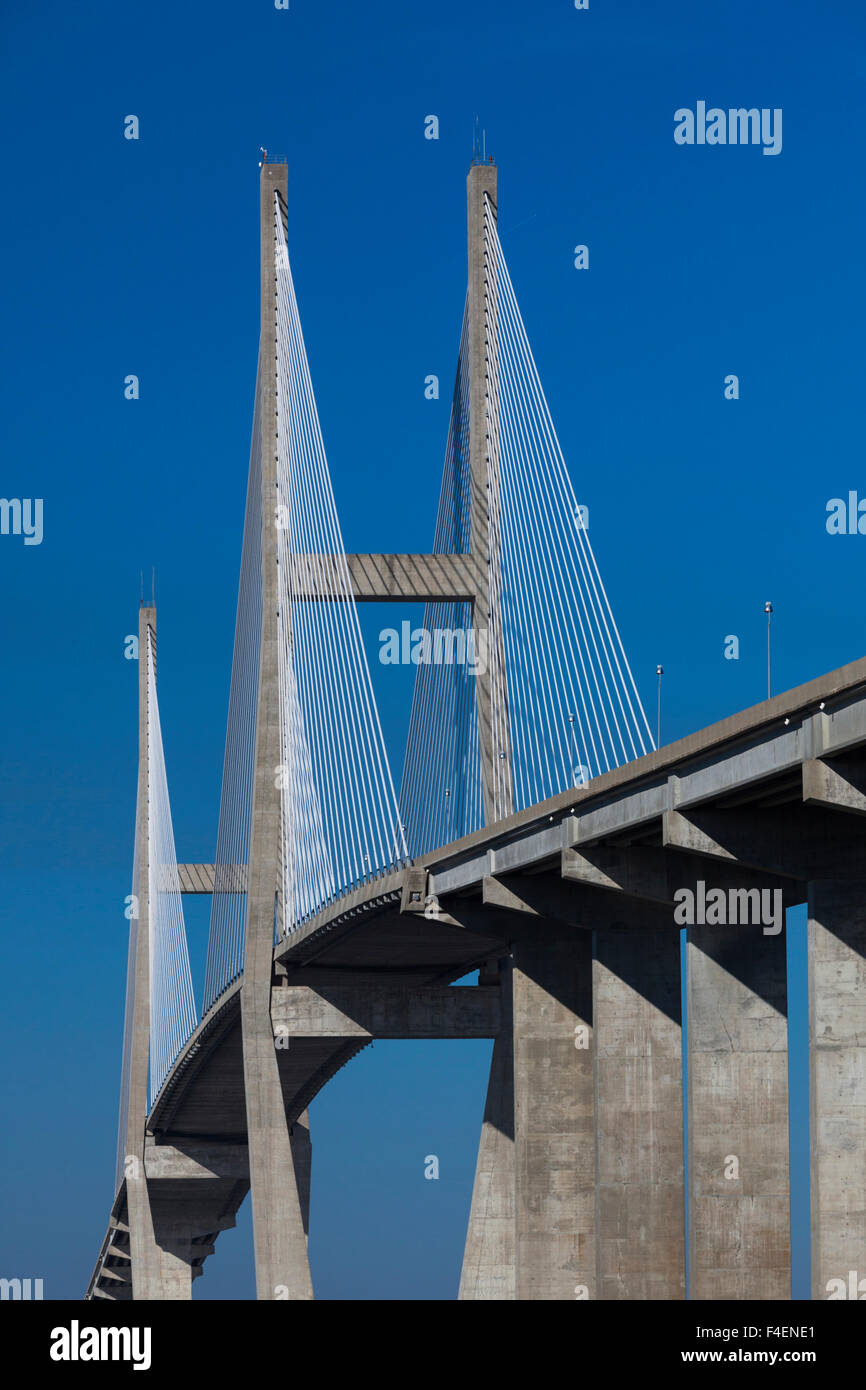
(346, 1011)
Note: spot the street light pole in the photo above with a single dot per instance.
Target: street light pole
(660, 670)
(768, 609)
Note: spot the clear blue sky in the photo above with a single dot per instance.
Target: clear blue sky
(141, 257)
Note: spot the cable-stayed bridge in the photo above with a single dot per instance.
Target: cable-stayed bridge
(535, 835)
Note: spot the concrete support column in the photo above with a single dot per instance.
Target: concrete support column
(639, 1114)
(489, 1257)
(739, 1205)
(279, 1170)
(160, 1246)
(554, 1113)
(837, 1060)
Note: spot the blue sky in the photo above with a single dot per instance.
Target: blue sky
(141, 257)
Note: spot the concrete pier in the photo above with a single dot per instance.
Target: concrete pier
(554, 1114)
(837, 1058)
(161, 1248)
(639, 1114)
(739, 1212)
(180, 1198)
(488, 1260)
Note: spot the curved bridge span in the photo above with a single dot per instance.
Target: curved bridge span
(569, 912)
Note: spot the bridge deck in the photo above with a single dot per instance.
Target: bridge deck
(753, 759)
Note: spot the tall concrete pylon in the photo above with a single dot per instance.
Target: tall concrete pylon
(276, 1182)
(491, 688)
(279, 1223)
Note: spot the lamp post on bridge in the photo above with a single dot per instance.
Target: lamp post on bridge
(768, 609)
(660, 670)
